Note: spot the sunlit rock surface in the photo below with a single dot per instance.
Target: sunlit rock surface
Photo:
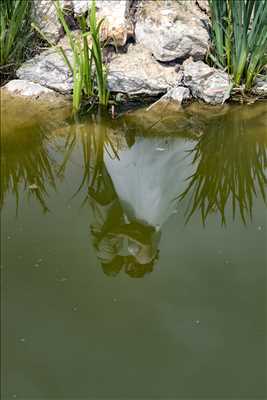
(206, 83)
(172, 29)
(48, 69)
(35, 91)
(260, 86)
(178, 94)
(137, 72)
(45, 17)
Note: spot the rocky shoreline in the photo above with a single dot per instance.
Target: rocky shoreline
(155, 48)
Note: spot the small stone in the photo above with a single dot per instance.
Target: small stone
(22, 340)
(197, 322)
(259, 228)
(209, 84)
(63, 279)
(33, 187)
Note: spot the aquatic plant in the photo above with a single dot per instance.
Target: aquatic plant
(87, 60)
(15, 32)
(101, 73)
(230, 171)
(239, 38)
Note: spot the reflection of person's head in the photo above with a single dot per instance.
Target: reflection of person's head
(137, 270)
(130, 265)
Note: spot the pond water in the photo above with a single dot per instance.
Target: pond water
(134, 254)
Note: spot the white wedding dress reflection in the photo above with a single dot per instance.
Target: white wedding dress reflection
(149, 176)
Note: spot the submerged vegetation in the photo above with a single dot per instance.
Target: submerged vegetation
(15, 34)
(239, 38)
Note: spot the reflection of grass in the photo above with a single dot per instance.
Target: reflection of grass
(94, 141)
(25, 162)
(230, 168)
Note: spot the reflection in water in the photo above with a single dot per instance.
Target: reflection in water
(134, 179)
(26, 163)
(134, 182)
(143, 199)
(26, 146)
(230, 164)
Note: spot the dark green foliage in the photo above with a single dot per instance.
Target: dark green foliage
(239, 38)
(15, 30)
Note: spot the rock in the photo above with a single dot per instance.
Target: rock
(45, 17)
(124, 75)
(117, 26)
(80, 7)
(49, 70)
(137, 72)
(171, 29)
(29, 89)
(260, 86)
(206, 83)
(203, 5)
(178, 94)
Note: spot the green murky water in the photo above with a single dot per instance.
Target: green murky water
(134, 254)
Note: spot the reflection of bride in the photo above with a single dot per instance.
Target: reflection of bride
(135, 197)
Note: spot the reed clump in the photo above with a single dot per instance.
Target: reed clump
(239, 38)
(15, 34)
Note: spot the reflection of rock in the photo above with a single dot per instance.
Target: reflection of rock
(23, 113)
(33, 90)
(48, 69)
(171, 30)
(206, 83)
(136, 72)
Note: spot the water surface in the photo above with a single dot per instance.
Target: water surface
(134, 254)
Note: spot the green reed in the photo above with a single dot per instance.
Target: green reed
(15, 32)
(239, 38)
(101, 73)
(87, 60)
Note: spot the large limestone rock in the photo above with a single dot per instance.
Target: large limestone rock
(206, 83)
(117, 25)
(179, 94)
(137, 72)
(260, 87)
(22, 88)
(172, 29)
(134, 72)
(48, 69)
(45, 17)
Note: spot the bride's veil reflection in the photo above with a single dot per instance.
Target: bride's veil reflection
(132, 186)
(134, 179)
